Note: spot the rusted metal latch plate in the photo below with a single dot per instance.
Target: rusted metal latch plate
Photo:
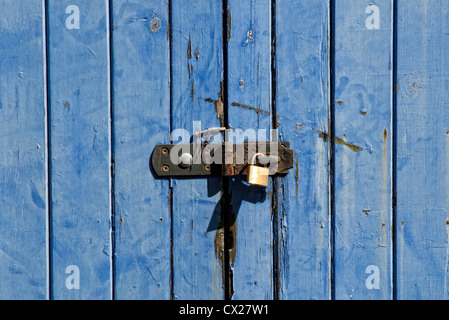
(223, 159)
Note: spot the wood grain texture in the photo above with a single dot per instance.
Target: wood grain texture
(141, 119)
(302, 106)
(422, 150)
(363, 145)
(196, 84)
(249, 85)
(80, 150)
(23, 230)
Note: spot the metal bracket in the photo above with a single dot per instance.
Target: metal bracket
(228, 159)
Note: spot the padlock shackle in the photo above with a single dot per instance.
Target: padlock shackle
(254, 157)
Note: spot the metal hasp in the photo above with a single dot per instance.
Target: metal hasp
(175, 160)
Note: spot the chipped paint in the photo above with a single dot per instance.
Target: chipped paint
(192, 91)
(338, 140)
(228, 24)
(219, 245)
(189, 49)
(350, 146)
(232, 241)
(258, 111)
(297, 177)
(249, 37)
(155, 24)
(168, 21)
(219, 106)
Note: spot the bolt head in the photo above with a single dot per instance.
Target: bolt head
(185, 160)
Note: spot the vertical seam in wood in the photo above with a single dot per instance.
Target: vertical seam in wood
(170, 188)
(394, 147)
(332, 144)
(226, 207)
(225, 4)
(275, 183)
(170, 206)
(109, 31)
(329, 150)
(225, 212)
(46, 71)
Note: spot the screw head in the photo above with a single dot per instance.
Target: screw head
(165, 168)
(206, 167)
(164, 151)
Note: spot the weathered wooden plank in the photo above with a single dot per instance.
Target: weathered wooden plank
(79, 147)
(196, 82)
(363, 148)
(141, 120)
(23, 192)
(422, 125)
(302, 106)
(249, 109)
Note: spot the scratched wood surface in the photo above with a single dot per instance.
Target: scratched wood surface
(422, 150)
(362, 97)
(141, 119)
(197, 104)
(79, 168)
(23, 190)
(302, 107)
(249, 109)
(88, 89)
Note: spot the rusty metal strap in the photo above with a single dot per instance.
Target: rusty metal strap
(223, 159)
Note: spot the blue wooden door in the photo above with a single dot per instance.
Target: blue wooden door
(358, 88)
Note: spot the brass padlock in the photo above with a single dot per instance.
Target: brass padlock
(257, 176)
